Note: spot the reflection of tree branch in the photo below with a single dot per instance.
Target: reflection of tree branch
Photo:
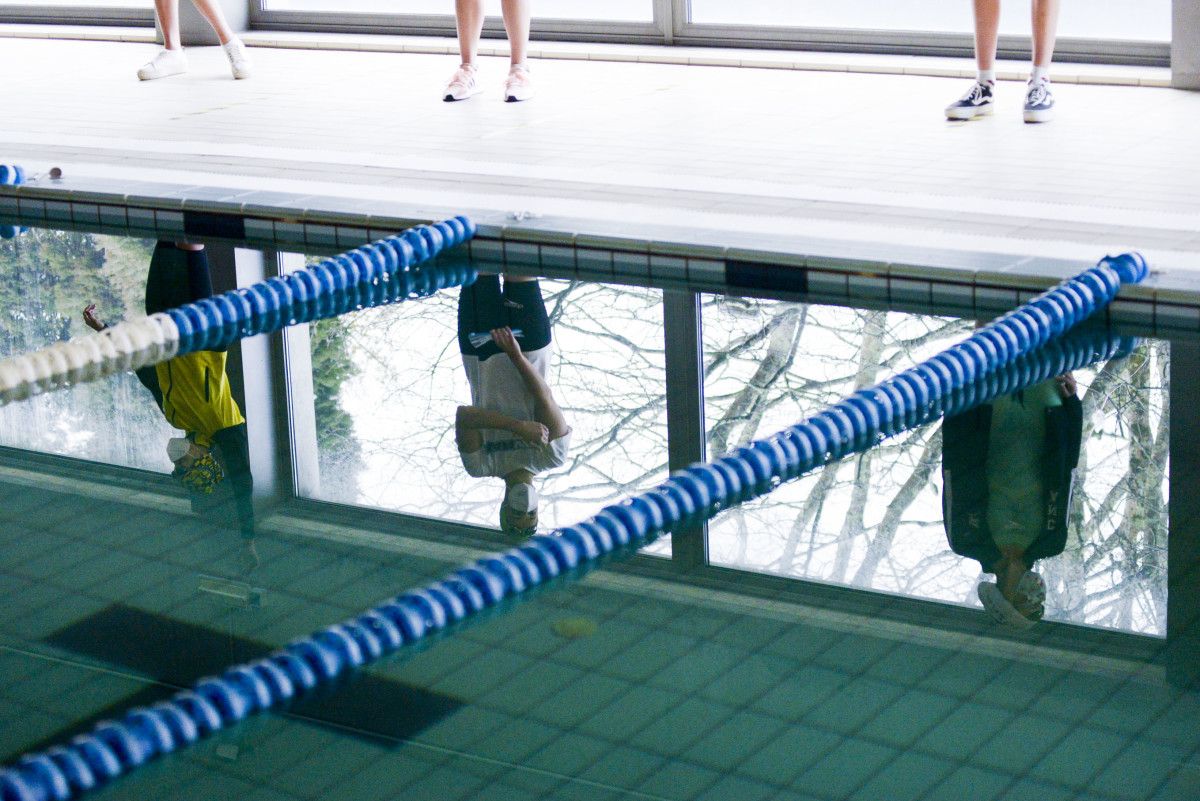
(784, 333)
(787, 559)
(881, 544)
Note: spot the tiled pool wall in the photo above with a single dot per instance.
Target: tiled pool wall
(826, 271)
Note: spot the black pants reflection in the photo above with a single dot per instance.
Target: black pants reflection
(483, 306)
(176, 277)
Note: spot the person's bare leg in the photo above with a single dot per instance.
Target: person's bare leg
(216, 18)
(1045, 26)
(987, 32)
(170, 60)
(168, 18)
(516, 25)
(1039, 101)
(470, 27)
(977, 102)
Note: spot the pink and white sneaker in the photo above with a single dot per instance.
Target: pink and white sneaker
(518, 86)
(463, 85)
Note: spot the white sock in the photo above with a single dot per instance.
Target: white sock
(1039, 74)
(987, 76)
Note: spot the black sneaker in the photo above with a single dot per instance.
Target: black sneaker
(1039, 103)
(975, 103)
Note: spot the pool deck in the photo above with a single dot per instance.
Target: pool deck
(811, 155)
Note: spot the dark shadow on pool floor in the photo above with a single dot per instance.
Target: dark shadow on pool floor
(174, 654)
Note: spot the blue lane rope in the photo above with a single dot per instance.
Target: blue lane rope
(397, 268)
(1013, 351)
(372, 275)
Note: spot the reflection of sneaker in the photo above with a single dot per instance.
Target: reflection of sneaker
(239, 62)
(518, 87)
(977, 102)
(249, 560)
(1039, 103)
(165, 64)
(462, 85)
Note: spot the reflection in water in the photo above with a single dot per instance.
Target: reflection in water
(107, 614)
(1007, 469)
(386, 379)
(212, 459)
(875, 520)
(46, 277)
(513, 429)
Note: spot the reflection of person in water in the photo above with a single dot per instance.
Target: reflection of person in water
(1007, 470)
(194, 395)
(513, 428)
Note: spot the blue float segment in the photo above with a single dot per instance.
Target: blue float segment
(74, 767)
(47, 774)
(11, 175)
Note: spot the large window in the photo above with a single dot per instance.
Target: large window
(1142, 20)
(875, 520)
(387, 383)
(373, 411)
(79, 12)
(622, 10)
(47, 277)
(102, 4)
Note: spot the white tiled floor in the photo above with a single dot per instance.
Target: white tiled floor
(727, 151)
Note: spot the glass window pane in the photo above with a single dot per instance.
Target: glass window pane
(46, 279)
(875, 521)
(1148, 20)
(618, 10)
(388, 382)
(98, 4)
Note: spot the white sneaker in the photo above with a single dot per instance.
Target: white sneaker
(1039, 101)
(165, 64)
(239, 62)
(977, 102)
(463, 85)
(518, 87)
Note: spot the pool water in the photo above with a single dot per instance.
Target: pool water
(830, 645)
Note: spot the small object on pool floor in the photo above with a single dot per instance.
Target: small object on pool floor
(574, 628)
(236, 592)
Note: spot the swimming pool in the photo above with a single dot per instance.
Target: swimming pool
(656, 679)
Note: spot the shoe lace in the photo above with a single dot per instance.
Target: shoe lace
(518, 76)
(974, 94)
(1038, 92)
(464, 76)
